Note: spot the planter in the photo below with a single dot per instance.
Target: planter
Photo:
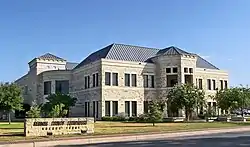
(237, 118)
(211, 119)
(224, 118)
(174, 119)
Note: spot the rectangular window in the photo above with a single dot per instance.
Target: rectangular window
(134, 80)
(214, 85)
(115, 108)
(134, 108)
(221, 84)
(185, 70)
(168, 70)
(127, 108)
(190, 70)
(107, 78)
(152, 81)
(47, 87)
(107, 108)
(145, 106)
(94, 80)
(94, 109)
(209, 84)
(85, 82)
(86, 109)
(200, 84)
(97, 109)
(88, 81)
(127, 79)
(172, 80)
(175, 70)
(115, 79)
(225, 84)
(62, 87)
(145, 81)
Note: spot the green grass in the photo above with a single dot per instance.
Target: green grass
(14, 131)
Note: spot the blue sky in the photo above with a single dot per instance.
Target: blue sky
(216, 29)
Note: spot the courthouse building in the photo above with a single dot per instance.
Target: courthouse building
(119, 79)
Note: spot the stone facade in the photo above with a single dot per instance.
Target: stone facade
(88, 82)
(58, 126)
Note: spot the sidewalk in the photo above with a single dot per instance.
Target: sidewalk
(118, 138)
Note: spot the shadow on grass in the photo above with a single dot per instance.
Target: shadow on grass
(11, 135)
(135, 126)
(11, 128)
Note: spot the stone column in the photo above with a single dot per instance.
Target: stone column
(182, 77)
(130, 108)
(53, 86)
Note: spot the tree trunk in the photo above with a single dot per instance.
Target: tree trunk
(153, 123)
(187, 113)
(242, 113)
(9, 117)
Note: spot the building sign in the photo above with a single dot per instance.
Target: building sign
(58, 126)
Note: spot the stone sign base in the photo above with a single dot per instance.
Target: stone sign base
(58, 126)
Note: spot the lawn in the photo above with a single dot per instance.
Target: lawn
(15, 130)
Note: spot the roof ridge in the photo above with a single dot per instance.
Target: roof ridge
(50, 55)
(177, 50)
(136, 46)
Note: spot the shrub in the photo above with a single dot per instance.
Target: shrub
(201, 116)
(142, 118)
(107, 118)
(34, 112)
(119, 118)
(133, 118)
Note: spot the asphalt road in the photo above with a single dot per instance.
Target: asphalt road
(241, 139)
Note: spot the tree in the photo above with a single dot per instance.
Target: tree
(186, 96)
(58, 111)
(34, 112)
(155, 112)
(10, 98)
(233, 98)
(58, 99)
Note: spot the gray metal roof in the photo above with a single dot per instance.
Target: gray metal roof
(130, 53)
(138, 54)
(49, 56)
(70, 65)
(172, 51)
(202, 63)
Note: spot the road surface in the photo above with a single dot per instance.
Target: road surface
(241, 139)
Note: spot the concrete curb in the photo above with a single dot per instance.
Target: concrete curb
(140, 137)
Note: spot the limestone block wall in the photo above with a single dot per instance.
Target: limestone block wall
(43, 65)
(52, 76)
(25, 83)
(162, 62)
(57, 126)
(216, 75)
(90, 94)
(122, 93)
(188, 62)
(32, 87)
(32, 81)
